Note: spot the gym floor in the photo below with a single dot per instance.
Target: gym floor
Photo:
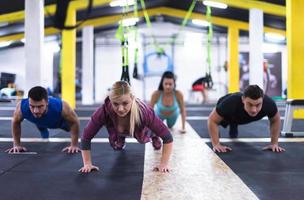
(197, 172)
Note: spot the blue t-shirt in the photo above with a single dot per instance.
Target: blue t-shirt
(51, 119)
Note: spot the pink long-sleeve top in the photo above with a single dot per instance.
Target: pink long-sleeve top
(105, 116)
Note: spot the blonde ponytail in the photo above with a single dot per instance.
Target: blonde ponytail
(134, 116)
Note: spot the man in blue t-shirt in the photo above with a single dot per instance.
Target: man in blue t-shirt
(242, 108)
(46, 113)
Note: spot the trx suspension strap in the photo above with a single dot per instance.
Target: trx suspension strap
(185, 20)
(209, 42)
(123, 37)
(125, 61)
(135, 70)
(159, 50)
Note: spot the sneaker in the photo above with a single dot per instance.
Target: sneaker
(120, 143)
(233, 131)
(156, 143)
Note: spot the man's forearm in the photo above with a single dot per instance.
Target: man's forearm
(16, 133)
(213, 133)
(74, 134)
(275, 132)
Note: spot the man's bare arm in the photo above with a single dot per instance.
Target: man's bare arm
(16, 125)
(275, 126)
(16, 131)
(214, 120)
(71, 117)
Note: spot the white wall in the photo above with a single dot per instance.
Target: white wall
(13, 61)
(47, 73)
(189, 59)
(107, 69)
(190, 55)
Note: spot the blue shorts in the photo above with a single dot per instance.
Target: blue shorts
(170, 120)
(44, 132)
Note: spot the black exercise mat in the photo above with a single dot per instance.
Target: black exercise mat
(269, 175)
(85, 113)
(257, 129)
(252, 130)
(29, 130)
(80, 113)
(198, 113)
(7, 104)
(52, 174)
(200, 105)
(206, 113)
(6, 113)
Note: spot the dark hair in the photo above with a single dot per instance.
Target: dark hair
(166, 74)
(38, 93)
(253, 92)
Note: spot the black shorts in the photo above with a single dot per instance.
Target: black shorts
(224, 123)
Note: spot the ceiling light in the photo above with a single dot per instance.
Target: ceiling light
(270, 48)
(200, 22)
(2, 24)
(122, 3)
(130, 21)
(53, 47)
(215, 4)
(274, 37)
(5, 44)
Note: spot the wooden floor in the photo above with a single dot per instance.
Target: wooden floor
(197, 173)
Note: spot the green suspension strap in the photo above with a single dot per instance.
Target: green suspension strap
(209, 43)
(123, 37)
(125, 59)
(185, 20)
(135, 69)
(159, 49)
